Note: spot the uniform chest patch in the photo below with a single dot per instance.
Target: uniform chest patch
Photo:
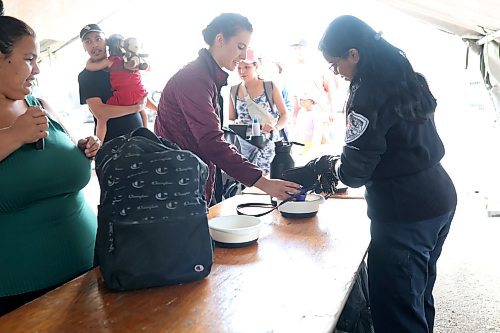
(356, 126)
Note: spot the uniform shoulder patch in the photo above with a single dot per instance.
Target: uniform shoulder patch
(356, 126)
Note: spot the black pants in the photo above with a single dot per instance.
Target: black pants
(402, 271)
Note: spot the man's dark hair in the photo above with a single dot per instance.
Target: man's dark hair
(1, 8)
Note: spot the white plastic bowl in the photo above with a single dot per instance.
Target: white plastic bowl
(234, 230)
(302, 209)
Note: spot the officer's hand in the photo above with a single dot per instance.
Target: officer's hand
(324, 168)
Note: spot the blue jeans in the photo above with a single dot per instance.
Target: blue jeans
(402, 271)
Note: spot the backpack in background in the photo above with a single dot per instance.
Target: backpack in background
(152, 217)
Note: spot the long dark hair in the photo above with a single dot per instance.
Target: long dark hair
(229, 24)
(382, 66)
(11, 31)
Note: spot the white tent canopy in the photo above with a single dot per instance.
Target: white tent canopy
(58, 22)
(477, 22)
(461, 17)
(61, 19)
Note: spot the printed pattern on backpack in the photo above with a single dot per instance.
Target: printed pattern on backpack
(141, 189)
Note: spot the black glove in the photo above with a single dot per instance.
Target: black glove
(301, 175)
(323, 168)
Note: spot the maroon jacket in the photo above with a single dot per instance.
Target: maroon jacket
(188, 115)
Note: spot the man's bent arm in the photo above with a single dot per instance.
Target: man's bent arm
(104, 111)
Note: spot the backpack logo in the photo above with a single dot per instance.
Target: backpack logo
(138, 184)
(172, 205)
(136, 166)
(199, 268)
(161, 196)
(161, 171)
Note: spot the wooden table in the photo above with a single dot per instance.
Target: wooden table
(295, 279)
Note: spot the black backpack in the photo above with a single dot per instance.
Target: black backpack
(356, 316)
(152, 218)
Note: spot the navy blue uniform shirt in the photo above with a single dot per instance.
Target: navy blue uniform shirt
(397, 160)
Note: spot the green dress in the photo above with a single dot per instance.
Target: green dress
(47, 230)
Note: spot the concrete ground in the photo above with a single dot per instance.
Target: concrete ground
(467, 291)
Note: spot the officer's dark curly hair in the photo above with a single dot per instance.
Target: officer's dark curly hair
(382, 66)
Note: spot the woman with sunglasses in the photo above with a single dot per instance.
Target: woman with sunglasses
(392, 148)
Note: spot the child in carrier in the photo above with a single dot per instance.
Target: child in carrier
(126, 83)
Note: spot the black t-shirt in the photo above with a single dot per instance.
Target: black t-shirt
(96, 84)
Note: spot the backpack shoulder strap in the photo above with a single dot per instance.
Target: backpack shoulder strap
(268, 91)
(233, 94)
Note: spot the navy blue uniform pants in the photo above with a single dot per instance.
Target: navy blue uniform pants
(402, 271)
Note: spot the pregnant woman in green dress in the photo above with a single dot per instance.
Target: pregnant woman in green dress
(47, 231)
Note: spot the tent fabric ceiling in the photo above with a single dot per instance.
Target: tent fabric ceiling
(60, 20)
(473, 20)
(464, 18)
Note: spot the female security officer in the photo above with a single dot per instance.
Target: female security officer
(392, 147)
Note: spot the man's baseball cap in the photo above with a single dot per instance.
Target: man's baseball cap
(90, 28)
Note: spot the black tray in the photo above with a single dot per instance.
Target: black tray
(234, 245)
